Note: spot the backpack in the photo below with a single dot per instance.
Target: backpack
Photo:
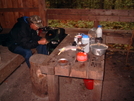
(54, 36)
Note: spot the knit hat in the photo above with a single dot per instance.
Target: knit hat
(36, 20)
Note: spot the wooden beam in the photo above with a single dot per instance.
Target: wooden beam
(91, 15)
(42, 11)
(96, 94)
(53, 87)
(18, 9)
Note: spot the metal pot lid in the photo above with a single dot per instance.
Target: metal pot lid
(99, 46)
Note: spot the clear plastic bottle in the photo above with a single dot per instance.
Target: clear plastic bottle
(99, 32)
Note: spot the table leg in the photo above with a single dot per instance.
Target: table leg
(53, 87)
(97, 91)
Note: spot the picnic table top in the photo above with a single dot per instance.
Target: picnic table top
(93, 68)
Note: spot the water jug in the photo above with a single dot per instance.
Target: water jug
(99, 31)
(85, 40)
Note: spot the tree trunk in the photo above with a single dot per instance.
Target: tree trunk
(101, 4)
(113, 5)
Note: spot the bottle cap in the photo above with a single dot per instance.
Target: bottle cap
(99, 26)
(85, 36)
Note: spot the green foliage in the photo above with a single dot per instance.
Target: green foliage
(89, 24)
(70, 24)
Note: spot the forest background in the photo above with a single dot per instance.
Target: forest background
(91, 4)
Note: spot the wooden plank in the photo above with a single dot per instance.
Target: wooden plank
(126, 19)
(16, 15)
(65, 70)
(42, 13)
(20, 4)
(117, 38)
(105, 31)
(12, 20)
(90, 18)
(27, 14)
(7, 20)
(53, 87)
(95, 15)
(9, 62)
(35, 3)
(114, 49)
(9, 4)
(3, 3)
(21, 14)
(131, 13)
(18, 9)
(2, 20)
(96, 93)
(70, 14)
(14, 3)
(27, 3)
(62, 70)
(96, 67)
(108, 18)
(33, 13)
(79, 69)
(68, 11)
(92, 12)
(120, 12)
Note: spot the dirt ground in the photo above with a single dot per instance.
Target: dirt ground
(118, 83)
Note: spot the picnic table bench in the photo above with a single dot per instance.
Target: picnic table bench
(45, 71)
(9, 61)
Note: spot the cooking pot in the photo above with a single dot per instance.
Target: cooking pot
(98, 49)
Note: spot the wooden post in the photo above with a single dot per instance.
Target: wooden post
(39, 80)
(130, 44)
(96, 23)
(96, 94)
(53, 87)
(42, 11)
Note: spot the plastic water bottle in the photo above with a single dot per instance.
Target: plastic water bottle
(99, 32)
(85, 40)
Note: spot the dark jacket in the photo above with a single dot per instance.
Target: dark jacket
(22, 35)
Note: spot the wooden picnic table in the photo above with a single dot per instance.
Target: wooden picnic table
(48, 71)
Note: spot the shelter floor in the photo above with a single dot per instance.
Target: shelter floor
(118, 83)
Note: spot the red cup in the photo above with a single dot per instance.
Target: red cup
(89, 83)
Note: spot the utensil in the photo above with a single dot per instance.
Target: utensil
(62, 50)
